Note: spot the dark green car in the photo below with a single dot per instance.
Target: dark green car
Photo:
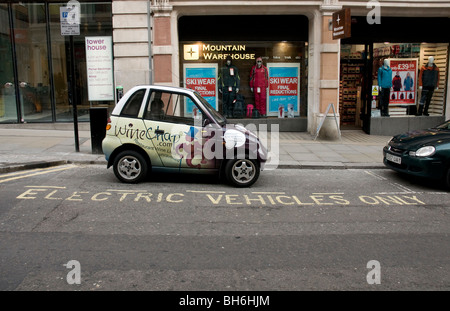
(423, 153)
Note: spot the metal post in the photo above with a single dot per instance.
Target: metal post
(150, 56)
(74, 95)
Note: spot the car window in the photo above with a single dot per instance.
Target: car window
(169, 107)
(217, 116)
(132, 106)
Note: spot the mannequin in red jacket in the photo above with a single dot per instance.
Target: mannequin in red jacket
(259, 82)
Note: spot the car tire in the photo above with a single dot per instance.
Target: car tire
(242, 172)
(130, 167)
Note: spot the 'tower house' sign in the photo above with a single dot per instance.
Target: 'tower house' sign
(99, 65)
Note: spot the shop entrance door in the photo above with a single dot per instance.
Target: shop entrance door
(355, 76)
(351, 85)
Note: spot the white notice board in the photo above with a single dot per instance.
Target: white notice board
(99, 64)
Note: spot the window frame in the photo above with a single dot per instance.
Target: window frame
(130, 100)
(170, 117)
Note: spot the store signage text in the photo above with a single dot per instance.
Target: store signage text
(96, 45)
(99, 65)
(284, 90)
(216, 51)
(205, 86)
(283, 86)
(203, 79)
(222, 47)
(341, 24)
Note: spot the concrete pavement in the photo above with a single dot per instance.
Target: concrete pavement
(26, 146)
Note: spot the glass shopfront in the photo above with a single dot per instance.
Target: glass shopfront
(35, 73)
(407, 54)
(277, 86)
(408, 61)
(405, 61)
(282, 83)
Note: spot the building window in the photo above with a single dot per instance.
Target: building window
(281, 80)
(280, 40)
(407, 62)
(359, 76)
(34, 78)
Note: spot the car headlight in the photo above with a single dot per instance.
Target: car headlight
(424, 151)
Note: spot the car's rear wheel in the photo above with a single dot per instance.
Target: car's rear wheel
(242, 172)
(130, 166)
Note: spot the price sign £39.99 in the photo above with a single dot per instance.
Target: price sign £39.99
(404, 81)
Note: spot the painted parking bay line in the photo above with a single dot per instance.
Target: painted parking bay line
(39, 171)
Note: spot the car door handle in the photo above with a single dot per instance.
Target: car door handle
(159, 132)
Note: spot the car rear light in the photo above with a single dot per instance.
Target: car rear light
(108, 125)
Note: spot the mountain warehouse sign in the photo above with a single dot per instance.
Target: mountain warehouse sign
(341, 23)
(220, 48)
(216, 51)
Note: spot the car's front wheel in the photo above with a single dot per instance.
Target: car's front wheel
(242, 172)
(130, 166)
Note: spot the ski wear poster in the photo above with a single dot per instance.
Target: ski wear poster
(404, 81)
(203, 79)
(284, 89)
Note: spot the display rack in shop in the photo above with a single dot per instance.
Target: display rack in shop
(350, 88)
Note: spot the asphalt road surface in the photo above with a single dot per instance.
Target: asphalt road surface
(78, 228)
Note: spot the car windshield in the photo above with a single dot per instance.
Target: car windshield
(216, 115)
(444, 126)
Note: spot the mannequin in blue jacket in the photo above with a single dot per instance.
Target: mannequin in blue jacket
(384, 84)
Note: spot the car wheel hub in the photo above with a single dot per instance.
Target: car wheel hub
(129, 167)
(243, 171)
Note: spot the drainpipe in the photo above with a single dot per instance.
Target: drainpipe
(150, 56)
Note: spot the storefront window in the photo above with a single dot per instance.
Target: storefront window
(36, 59)
(96, 20)
(30, 38)
(404, 89)
(279, 91)
(408, 61)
